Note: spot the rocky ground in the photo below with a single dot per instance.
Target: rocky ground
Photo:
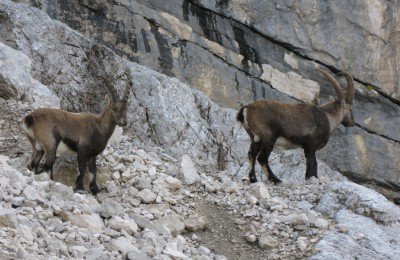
(174, 182)
(156, 206)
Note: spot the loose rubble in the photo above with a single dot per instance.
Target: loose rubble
(173, 202)
(150, 213)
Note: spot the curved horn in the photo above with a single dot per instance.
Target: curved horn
(128, 89)
(334, 82)
(350, 87)
(111, 88)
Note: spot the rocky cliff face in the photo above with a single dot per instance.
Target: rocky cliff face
(157, 201)
(238, 51)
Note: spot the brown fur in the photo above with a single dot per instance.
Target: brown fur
(294, 125)
(84, 133)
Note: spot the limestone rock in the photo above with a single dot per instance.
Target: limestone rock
(170, 224)
(296, 219)
(259, 190)
(8, 218)
(136, 254)
(357, 196)
(92, 222)
(321, 223)
(146, 195)
(31, 193)
(267, 242)
(302, 243)
(109, 208)
(188, 171)
(119, 224)
(78, 251)
(121, 244)
(173, 183)
(195, 223)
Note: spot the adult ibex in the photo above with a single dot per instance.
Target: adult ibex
(86, 134)
(270, 122)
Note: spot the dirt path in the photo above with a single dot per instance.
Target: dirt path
(223, 236)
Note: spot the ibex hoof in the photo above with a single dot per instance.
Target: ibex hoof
(253, 180)
(276, 181)
(80, 191)
(95, 191)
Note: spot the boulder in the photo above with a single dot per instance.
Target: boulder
(91, 222)
(195, 223)
(188, 172)
(110, 208)
(121, 244)
(119, 224)
(8, 218)
(146, 196)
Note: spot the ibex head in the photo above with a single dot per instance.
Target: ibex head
(343, 103)
(348, 119)
(116, 105)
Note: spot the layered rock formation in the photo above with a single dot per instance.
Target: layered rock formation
(177, 136)
(238, 51)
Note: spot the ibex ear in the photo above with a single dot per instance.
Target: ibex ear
(331, 99)
(343, 103)
(108, 99)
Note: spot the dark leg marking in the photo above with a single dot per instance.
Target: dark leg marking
(312, 165)
(93, 172)
(254, 149)
(262, 159)
(33, 166)
(81, 157)
(50, 157)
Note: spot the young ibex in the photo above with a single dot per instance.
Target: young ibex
(290, 126)
(86, 134)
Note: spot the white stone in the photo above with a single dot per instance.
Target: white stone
(259, 190)
(251, 238)
(172, 183)
(266, 241)
(121, 244)
(116, 176)
(92, 222)
(204, 250)
(174, 253)
(146, 196)
(119, 224)
(109, 208)
(321, 223)
(302, 243)
(251, 199)
(31, 193)
(195, 223)
(170, 224)
(296, 219)
(188, 172)
(78, 251)
(8, 218)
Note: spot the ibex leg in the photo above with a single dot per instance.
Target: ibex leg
(262, 159)
(82, 158)
(254, 149)
(36, 157)
(93, 172)
(50, 149)
(312, 165)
